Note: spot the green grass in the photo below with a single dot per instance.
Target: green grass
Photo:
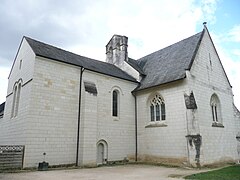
(227, 173)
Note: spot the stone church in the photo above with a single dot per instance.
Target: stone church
(172, 106)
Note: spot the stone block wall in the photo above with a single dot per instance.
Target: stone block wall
(13, 129)
(53, 114)
(164, 141)
(206, 78)
(98, 123)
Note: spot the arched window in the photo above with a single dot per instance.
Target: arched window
(16, 99)
(115, 103)
(215, 108)
(157, 109)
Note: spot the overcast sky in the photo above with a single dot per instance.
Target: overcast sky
(84, 27)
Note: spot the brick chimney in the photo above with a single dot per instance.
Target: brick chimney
(116, 50)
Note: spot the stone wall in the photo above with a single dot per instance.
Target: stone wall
(13, 129)
(98, 124)
(53, 116)
(206, 78)
(164, 139)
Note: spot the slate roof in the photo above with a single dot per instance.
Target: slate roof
(169, 64)
(2, 106)
(44, 50)
(166, 65)
(135, 65)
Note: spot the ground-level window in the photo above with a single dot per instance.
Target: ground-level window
(157, 109)
(215, 108)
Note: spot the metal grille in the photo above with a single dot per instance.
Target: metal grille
(11, 157)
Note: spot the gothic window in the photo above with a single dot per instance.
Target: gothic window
(157, 109)
(215, 108)
(115, 103)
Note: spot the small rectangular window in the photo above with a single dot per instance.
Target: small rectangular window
(20, 64)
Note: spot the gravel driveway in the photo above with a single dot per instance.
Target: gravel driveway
(121, 172)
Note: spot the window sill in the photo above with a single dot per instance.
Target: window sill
(156, 124)
(217, 124)
(115, 118)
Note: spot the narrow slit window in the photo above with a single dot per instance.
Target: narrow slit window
(20, 64)
(115, 103)
(18, 99)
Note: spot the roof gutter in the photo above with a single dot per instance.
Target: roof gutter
(79, 113)
(173, 81)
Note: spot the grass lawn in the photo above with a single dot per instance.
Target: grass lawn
(227, 173)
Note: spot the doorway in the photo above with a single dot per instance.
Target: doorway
(101, 152)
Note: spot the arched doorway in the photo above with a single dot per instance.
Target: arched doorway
(101, 152)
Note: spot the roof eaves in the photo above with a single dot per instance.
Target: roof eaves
(133, 80)
(76, 64)
(137, 90)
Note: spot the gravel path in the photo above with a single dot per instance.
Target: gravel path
(122, 172)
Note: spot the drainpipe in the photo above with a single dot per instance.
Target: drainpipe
(188, 153)
(79, 113)
(136, 142)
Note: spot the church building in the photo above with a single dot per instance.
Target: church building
(172, 106)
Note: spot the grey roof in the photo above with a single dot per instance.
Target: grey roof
(169, 64)
(2, 106)
(44, 50)
(135, 65)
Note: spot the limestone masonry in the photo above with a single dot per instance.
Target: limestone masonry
(172, 106)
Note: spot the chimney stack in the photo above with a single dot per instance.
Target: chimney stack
(116, 50)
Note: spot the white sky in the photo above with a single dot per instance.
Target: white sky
(84, 27)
